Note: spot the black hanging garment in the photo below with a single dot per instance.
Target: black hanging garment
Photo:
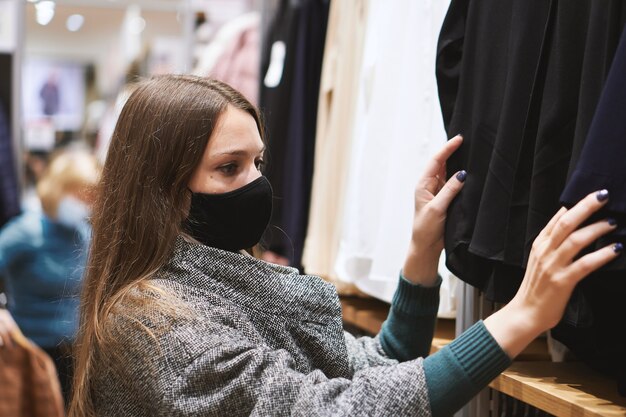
(289, 104)
(521, 81)
(9, 188)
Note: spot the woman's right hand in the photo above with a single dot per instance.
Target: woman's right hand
(7, 328)
(552, 273)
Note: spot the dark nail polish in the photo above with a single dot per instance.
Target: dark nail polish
(612, 221)
(618, 248)
(461, 176)
(602, 195)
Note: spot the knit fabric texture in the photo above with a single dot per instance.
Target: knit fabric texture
(409, 329)
(260, 340)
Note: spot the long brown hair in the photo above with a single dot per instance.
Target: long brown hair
(158, 141)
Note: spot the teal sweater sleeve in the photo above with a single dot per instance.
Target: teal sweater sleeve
(459, 371)
(456, 373)
(408, 331)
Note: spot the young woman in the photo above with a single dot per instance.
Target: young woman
(178, 319)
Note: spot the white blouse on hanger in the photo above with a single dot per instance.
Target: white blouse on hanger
(397, 128)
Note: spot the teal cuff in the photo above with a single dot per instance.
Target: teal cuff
(459, 371)
(408, 331)
(416, 300)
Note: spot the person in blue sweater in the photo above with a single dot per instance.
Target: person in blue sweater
(42, 259)
(179, 318)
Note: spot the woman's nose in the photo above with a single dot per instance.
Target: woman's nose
(253, 173)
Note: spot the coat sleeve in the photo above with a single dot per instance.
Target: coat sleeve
(406, 334)
(235, 377)
(366, 351)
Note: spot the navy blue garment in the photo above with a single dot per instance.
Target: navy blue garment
(602, 165)
(9, 188)
(298, 168)
(290, 111)
(274, 103)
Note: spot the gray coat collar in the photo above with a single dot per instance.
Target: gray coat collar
(254, 283)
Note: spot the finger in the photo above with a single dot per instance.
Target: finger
(582, 238)
(442, 177)
(433, 184)
(441, 181)
(573, 218)
(444, 197)
(440, 158)
(436, 165)
(593, 261)
(550, 226)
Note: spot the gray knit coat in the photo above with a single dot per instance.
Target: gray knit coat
(262, 340)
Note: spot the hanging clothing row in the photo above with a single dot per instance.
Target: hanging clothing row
(352, 121)
(291, 63)
(521, 81)
(378, 122)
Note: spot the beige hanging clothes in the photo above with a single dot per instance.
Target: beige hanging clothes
(398, 126)
(336, 110)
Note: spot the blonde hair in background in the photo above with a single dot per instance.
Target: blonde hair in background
(74, 172)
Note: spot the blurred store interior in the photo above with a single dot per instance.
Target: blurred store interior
(66, 65)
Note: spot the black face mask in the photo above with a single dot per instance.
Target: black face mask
(231, 221)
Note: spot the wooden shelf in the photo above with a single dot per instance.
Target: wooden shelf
(367, 314)
(563, 389)
(444, 334)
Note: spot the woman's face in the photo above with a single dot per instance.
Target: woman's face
(233, 156)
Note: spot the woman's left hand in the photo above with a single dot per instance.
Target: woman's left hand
(433, 196)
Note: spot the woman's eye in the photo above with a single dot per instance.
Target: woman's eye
(228, 169)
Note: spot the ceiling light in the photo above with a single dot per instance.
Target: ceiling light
(44, 11)
(75, 22)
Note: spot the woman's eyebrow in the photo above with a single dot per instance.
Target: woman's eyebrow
(238, 152)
